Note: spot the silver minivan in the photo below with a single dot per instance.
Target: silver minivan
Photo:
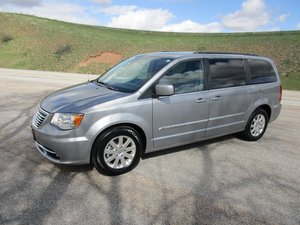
(156, 101)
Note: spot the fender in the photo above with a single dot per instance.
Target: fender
(255, 105)
(118, 118)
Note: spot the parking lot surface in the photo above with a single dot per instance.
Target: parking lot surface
(220, 181)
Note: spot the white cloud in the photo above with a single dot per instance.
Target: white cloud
(143, 19)
(252, 15)
(282, 17)
(191, 26)
(118, 9)
(133, 17)
(23, 3)
(102, 2)
(298, 26)
(59, 11)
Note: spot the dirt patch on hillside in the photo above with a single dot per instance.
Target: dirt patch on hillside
(103, 57)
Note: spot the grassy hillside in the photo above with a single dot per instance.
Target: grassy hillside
(28, 42)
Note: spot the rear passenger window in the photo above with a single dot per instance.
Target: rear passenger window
(227, 73)
(261, 71)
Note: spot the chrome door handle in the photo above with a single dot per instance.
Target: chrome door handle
(201, 100)
(216, 98)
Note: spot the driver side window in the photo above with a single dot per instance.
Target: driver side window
(186, 77)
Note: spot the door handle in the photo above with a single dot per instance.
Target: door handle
(201, 100)
(216, 98)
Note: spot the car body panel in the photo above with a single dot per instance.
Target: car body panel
(224, 119)
(188, 123)
(78, 98)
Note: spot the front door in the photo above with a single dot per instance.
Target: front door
(182, 117)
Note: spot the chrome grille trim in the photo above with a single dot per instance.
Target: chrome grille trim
(39, 117)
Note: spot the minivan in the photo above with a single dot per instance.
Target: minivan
(155, 101)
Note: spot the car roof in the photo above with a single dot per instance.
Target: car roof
(205, 54)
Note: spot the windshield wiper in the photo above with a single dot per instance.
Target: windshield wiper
(112, 88)
(103, 84)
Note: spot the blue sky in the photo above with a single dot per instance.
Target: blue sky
(168, 15)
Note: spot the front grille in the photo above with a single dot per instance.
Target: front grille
(39, 117)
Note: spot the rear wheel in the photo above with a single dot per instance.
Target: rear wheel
(117, 150)
(256, 125)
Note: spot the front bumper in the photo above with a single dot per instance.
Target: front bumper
(62, 147)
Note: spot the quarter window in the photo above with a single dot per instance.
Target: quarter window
(261, 71)
(185, 77)
(226, 73)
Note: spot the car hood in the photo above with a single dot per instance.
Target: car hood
(79, 97)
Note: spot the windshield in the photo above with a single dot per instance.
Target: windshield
(131, 74)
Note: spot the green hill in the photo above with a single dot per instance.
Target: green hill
(28, 42)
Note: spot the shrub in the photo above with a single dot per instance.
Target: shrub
(6, 38)
(62, 50)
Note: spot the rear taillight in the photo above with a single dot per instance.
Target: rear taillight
(280, 93)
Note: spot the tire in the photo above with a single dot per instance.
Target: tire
(256, 125)
(111, 158)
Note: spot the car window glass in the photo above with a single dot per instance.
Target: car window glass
(131, 74)
(261, 71)
(185, 77)
(226, 73)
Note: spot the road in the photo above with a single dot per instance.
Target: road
(221, 181)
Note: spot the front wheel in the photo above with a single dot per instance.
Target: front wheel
(256, 126)
(117, 150)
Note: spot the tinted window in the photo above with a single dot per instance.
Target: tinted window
(227, 73)
(262, 71)
(185, 77)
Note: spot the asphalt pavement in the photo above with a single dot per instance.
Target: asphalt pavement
(220, 181)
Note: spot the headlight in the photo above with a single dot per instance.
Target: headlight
(67, 121)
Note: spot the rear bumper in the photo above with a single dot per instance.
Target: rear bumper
(275, 112)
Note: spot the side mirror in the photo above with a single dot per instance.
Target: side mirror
(164, 90)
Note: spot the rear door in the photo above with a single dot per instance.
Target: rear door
(183, 116)
(229, 95)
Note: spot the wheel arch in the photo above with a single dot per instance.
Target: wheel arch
(263, 103)
(131, 125)
(267, 108)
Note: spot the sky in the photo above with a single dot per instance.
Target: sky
(168, 15)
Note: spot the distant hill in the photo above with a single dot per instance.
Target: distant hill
(29, 42)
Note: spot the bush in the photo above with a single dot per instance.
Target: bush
(62, 50)
(6, 38)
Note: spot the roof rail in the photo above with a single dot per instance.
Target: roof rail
(231, 53)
